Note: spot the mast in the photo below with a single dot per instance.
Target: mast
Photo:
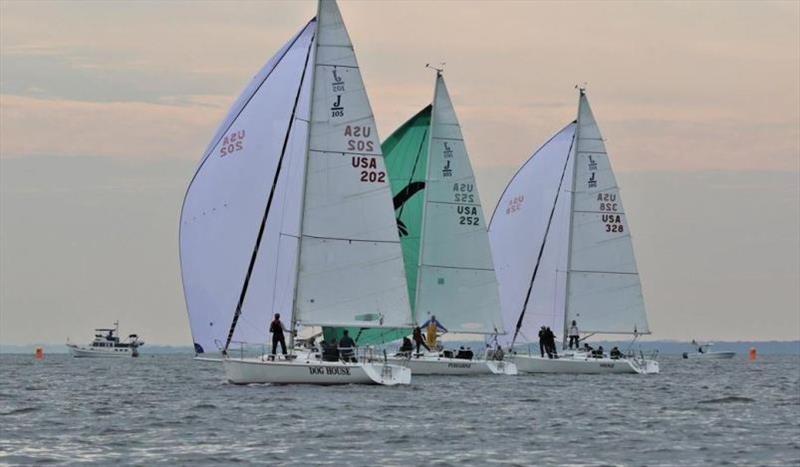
(581, 91)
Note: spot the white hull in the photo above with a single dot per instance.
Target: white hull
(258, 370)
(83, 352)
(580, 364)
(435, 365)
(709, 355)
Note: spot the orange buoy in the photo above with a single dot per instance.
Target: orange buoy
(39, 354)
(752, 353)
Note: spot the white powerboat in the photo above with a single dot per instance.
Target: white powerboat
(290, 211)
(107, 344)
(703, 352)
(563, 251)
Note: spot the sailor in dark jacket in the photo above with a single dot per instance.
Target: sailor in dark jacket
(277, 328)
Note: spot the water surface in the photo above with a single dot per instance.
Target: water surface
(172, 410)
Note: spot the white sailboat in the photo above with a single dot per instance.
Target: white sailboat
(289, 212)
(454, 273)
(563, 252)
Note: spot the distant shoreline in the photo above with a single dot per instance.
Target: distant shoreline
(664, 347)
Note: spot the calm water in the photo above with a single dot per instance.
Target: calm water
(171, 410)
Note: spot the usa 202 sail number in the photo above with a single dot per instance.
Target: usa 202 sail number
(370, 172)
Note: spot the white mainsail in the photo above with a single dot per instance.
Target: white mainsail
(351, 264)
(604, 292)
(456, 280)
(279, 216)
(564, 203)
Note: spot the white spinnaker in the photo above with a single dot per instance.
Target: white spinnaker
(517, 231)
(226, 200)
(351, 264)
(456, 280)
(604, 292)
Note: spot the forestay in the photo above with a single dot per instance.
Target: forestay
(351, 266)
(517, 231)
(604, 291)
(456, 280)
(225, 204)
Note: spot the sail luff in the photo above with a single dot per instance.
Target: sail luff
(575, 149)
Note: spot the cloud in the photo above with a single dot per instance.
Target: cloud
(32, 126)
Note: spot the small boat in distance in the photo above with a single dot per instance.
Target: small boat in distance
(702, 351)
(107, 344)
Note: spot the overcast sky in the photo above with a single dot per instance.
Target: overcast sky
(105, 109)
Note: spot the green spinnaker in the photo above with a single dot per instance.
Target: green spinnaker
(405, 154)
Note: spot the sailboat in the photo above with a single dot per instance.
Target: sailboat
(563, 253)
(448, 260)
(290, 212)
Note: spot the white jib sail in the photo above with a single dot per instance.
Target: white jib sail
(226, 201)
(604, 294)
(351, 264)
(456, 280)
(517, 231)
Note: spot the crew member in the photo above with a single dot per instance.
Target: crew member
(347, 347)
(543, 341)
(277, 328)
(407, 346)
(574, 335)
(418, 339)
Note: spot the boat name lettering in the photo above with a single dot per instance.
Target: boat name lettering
(233, 142)
(329, 370)
(606, 365)
(459, 365)
(515, 204)
(338, 83)
(337, 109)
